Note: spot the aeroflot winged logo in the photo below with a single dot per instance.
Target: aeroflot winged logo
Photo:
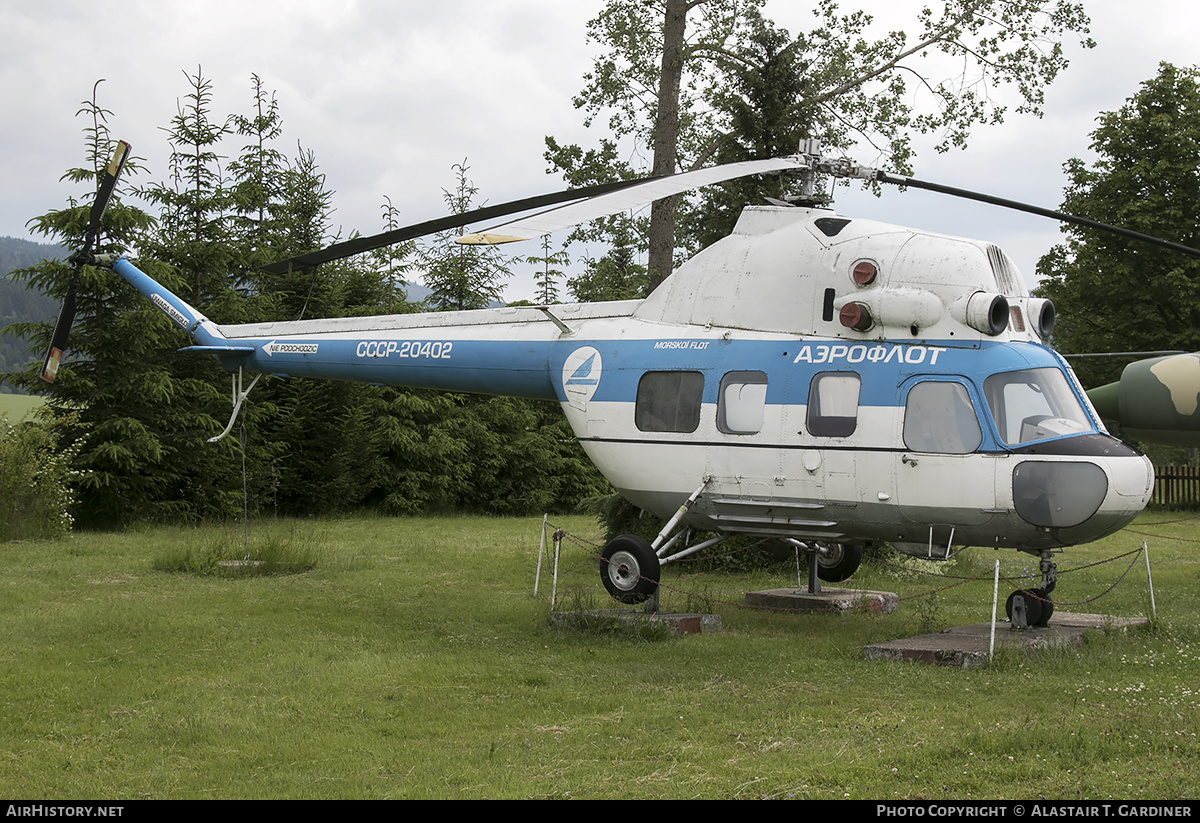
(581, 375)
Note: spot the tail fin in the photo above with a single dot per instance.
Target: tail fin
(207, 334)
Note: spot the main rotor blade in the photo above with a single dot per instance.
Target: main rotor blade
(900, 180)
(363, 244)
(627, 198)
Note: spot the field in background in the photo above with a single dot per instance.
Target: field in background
(17, 406)
(412, 660)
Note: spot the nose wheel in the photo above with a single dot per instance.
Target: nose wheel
(1030, 608)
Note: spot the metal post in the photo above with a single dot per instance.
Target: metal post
(537, 574)
(557, 547)
(1149, 582)
(995, 600)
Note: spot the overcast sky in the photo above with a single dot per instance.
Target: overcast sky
(389, 94)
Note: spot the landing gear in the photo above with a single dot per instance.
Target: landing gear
(831, 562)
(629, 568)
(838, 561)
(1028, 608)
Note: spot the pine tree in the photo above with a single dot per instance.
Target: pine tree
(548, 274)
(259, 179)
(116, 377)
(462, 277)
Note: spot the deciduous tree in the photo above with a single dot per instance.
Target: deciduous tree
(665, 63)
(1115, 294)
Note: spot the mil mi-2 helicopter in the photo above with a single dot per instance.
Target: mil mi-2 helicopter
(816, 378)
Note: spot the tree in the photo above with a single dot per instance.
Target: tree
(547, 277)
(666, 62)
(133, 415)
(116, 374)
(259, 179)
(1115, 294)
(758, 103)
(460, 276)
(616, 275)
(395, 261)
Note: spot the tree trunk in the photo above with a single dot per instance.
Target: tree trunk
(666, 138)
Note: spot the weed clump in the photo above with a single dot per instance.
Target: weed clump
(226, 554)
(582, 616)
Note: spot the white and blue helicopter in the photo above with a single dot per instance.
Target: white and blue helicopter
(815, 378)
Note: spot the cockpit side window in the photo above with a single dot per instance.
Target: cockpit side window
(833, 404)
(939, 417)
(742, 402)
(1034, 404)
(669, 401)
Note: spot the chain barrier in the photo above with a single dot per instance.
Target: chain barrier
(595, 550)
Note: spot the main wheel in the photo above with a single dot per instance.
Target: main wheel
(840, 562)
(629, 568)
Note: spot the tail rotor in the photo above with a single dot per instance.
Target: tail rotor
(81, 258)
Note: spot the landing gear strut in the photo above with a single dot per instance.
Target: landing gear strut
(831, 562)
(1027, 608)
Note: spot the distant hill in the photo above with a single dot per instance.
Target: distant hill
(18, 304)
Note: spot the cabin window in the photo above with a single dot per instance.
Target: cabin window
(1034, 404)
(742, 402)
(669, 401)
(939, 417)
(833, 404)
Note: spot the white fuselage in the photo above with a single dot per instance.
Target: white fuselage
(821, 377)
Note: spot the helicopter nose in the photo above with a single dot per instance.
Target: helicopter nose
(1082, 499)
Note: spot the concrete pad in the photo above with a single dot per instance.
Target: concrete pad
(967, 646)
(827, 600)
(678, 623)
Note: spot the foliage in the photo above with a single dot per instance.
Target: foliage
(36, 482)
(120, 369)
(759, 105)
(1114, 294)
(461, 276)
(670, 72)
(143, 413)
(614, 276)
(549, 273)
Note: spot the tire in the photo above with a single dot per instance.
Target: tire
(840, 563)
(629, 569)
(1034, 602)
(1047, 607)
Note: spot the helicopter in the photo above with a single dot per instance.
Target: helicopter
(824, 380)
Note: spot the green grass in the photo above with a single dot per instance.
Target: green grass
(411, 659)
(18, 407)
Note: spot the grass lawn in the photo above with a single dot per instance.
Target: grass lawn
(413, 660)
(17, 407)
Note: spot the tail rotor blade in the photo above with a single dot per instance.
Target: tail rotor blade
(62, 331)
(108, 182)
